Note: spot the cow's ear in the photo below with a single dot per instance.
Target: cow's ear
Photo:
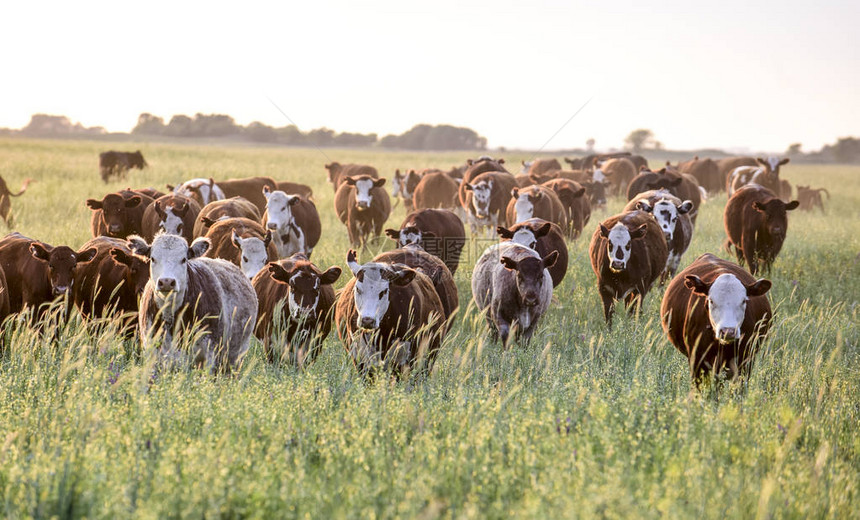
(94, 204)
(207, 222)
(352, 263)
(138, 246)
(40, 251)
(278, 272)
(121, 257)
(604, 231)
(695, 284)
(784, 161)
(685, 207)
(662, 171)
(643, 205)
(761, 161)
(468, 187)
(267, 191)
(550, 259)
(639, 232)
(401, 276)
(198, 248)
(579, 193)
(393, 234)
(792, 205)
(268, 238)
(501, 161)
(82, 257)
(132, 202)
(379, 182)
(349, 181)
(293, 200)
(330, 276)
(504, 232)
(509, 263)
(211, 182)
(758, 206)
(759, 287)
(159, 210)
(235, 239)
(543, 230)
(170, 187)
(515, 193)
(181, 210)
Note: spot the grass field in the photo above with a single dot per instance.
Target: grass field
(583, 422)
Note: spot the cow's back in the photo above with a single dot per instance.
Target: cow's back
(22, 271)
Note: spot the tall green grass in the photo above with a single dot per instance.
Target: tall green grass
(582, 422)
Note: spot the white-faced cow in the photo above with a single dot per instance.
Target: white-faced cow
(172, 214)
(414, 256)
(242, 242)
(486, 199)
(673, 217)
(756, 224)
(293, 221)
(535, 202)
(363, 205)
(220, 209)
(338, 172)
(403, 187)
(544, 237)
(191, 298)
(438, 231)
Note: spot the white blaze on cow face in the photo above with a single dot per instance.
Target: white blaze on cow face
(523, 207)
(398, 185)
(206, 190)
(254, 254)
(172, 223)
(666, 214)
(363, 195)
(279, 213)
(310, 286)
(481, 194)
(773, 162)
(373, 282)
(727, 299)
(619, 247)
(410, 235)
(168, 265)
(525, 237)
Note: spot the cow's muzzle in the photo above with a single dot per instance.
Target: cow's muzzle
(60, 290)
(616, 266)
(166, 285)
(367, 323)
(271, 225)
(727, 335)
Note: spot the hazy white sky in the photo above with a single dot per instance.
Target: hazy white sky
(733, 74)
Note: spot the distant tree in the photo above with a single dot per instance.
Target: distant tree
(846, 150)
(440, 137)
(213, 125)
(321, 137)
(45, 125)
(260, 133)
(794, 149)
(179, 126)
(589, 145)
(149, 124)
(291, 135)
(639, 139)
(658, 145)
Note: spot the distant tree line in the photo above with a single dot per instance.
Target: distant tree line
(44, 125)
(845, 151)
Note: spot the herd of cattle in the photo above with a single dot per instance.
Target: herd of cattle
(231, 259)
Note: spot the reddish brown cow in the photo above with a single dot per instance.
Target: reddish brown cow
(540, 166)
(486, 199)
(338, 172)
(237, 207)
(575, 204)
(765, 174)
(716, 314)
(756, 223)
(149, 192)
(295, 188)
(619, 172)
(728, 164)
(438, 231)
(4, 297)
(403, 187)
(112, 282)
(414, 256)
(435, 190)
(628, 254)
(173, 214)
(119, 214)
(809, 198)
(535, 202)
(544, 237)
(363, 205)
(295, 300)
(475, 168)
(243, 242)
(685, 188)
(706, 171)
(673, 216)
(37, 273)
(6, 202)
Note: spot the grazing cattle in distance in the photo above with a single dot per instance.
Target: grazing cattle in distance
(538, 167)
(809, 197)
(716, 314)
(242, 242)
(6, 202)
(535, 202)
(118, 163)
(111, 282)
(295, 300)
(511, 282)
(389, 316)
(479, 166)
(756, 224)
(576, 206)
(188, 293)
(673, 216)
(628, 254)
(765, 174)
(486, 199)
(295, 188)
(172, 214)
(440, 232)
(36, 272)
(435, 190)
(338, 172)
(403, 187)
(414, 256)
(362, 204)
(588, 162)
(619, 171)
(293, 221)
(238, 207)
(706, 171)
(544, 237)
(119, 214)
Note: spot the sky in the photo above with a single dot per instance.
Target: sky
(748, 75)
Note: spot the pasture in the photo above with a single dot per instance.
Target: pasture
(582, 422)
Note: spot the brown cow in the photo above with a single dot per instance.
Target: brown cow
(414, 256)
(706, 171)
(295, 188)
(679, 185)
(673, 216)
(716, 314)
(119, 214)
(112, 282)
(728, 164)
(809, 198)
(756, 223)
(435, 190)
(765, 174)
(37, 273)
(4, 297)
(486, 199)
(628, 254)
(363, 205)
(149, 192)
(6, 202)
(242, 242)
(338, 172)
(544, 237)
(535, 202)
(295, 301)
(118, 163)
(173, 214)
(220, 209)
(403, 187)
(538, 167)
(523, 180)
(205, 191)
(575, 204)
(481, 165)
(389, 316)
(293, 221)
(619, 172)
(438, 231)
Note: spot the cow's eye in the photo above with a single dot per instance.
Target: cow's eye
(382, 293)
(627, 247)
(184, 260)
(153, 261)
(179, 228)
(358, 292)
(244, 258)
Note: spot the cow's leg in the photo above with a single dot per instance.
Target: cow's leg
(748, 253)
(608, 299)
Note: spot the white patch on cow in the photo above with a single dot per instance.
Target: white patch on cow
(201, 186)
(254, 255)
(755, 176)
(672, 261)
(363, 195)
(773, 161)
(287, 236)
(371, 296)
(523, 207)
(598, 175)
(397, 185)
(407, 238)
(172, 224)
(727, 304)
(481, 194)
(525, 237)
(619, 247)
(168, 269)
(666, 214)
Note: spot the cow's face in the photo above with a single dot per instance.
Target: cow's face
(530, 276)
(279, 211)
(171, 217)
(364, 190)
(137, 269)
(114, 212)
(666, 213)
(524, 207)
(333, 171)
(481, 194)
(776, 218)
(619, 246)
(405, 236)
(61, 262)
(397, 184)
(598, 175)
(373, 282)
(305, 286)
(772, 164)
(254, 253)
(525, 236)
(201, 190)
(527, 165)
(727, 299)
(168, 262)
(596, 192)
